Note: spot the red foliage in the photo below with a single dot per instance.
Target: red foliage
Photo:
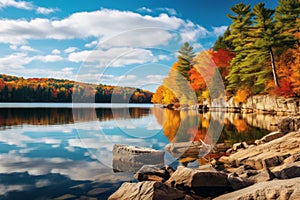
(285, 89)
(222, 57)
(196, 80)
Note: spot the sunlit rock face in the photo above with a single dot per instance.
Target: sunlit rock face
(132, 158)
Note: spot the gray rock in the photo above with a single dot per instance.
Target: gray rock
(132, 158)
(276, 189)
(185, 177)
(286, 125)
(237, 182)
(286, 171)
(154, 173)
(146, 190)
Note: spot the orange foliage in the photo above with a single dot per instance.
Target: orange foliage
(242, 95)
(196, 80)
(240, 124)
(289, 73)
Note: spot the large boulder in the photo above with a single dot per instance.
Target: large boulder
(276, 189)
(146, 190)
(192, 178)
(154, 173)
(132, 158)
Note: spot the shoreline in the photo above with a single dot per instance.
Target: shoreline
(248, 172)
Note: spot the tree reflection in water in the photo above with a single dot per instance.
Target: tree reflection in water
(190, 126)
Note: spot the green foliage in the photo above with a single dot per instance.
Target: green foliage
(185, 59)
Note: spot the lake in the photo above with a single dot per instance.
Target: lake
(63, 150)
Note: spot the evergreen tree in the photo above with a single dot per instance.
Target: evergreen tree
(185, 59)
(287, 18)
(239, 39)
(223, 43)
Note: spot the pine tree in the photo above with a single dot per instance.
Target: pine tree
(240, 41)
(287, 18)
(185, 59)
(222, 43)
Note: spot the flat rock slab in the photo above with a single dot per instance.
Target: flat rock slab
(288, 170)
(266, 155)
(132, 158)
(276, 189)
(147, 190)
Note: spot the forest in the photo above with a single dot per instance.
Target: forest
(259, 53)
(19, 89)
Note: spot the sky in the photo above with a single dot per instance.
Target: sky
(116, 42)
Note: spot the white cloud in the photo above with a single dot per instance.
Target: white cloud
(45, 11)
(48, 58)
(55, 51)
(219, 30)
(91, 44)
(17, 4)
(170, 11)
(85, 24)
(144, 9)
(26, 6)
(113, 57)
(70, 49)
(192, 32)
(27, 48)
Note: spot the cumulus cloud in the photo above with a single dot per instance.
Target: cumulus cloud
(70, 49)
(87, 24)
(26, 6)
(144, 9)
(17, 4)
(91, 44)
(55, 51)
(219, 30)
(45, 11)
(113, 57)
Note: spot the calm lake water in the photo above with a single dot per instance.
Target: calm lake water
(57, 150)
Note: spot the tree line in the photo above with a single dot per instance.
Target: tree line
(19, 89)
(259, 53)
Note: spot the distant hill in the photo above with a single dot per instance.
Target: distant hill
(19, 89)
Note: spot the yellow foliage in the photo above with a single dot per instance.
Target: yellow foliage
(242, 95)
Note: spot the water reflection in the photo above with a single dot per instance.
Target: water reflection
(192, 131)
(53, 116)
(43, 156)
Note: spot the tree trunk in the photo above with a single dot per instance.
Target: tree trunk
(274, 68)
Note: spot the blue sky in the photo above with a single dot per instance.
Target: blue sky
(118, 42)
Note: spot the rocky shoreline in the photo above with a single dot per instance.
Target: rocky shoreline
(259, 104)
(268, 169)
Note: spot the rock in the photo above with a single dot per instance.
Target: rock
(276, 189)
(154, 173)
(286, 125)
(188, 149)
(185, 177)
(259, 175)
(237, 146)
(65, 197)
(266, 155)
(272, 136)
(207, 167)
(227, 160)
(97, 191)
(286, 171)
(132, 158)
(237, 182)
(293, 158)
(148, 190)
